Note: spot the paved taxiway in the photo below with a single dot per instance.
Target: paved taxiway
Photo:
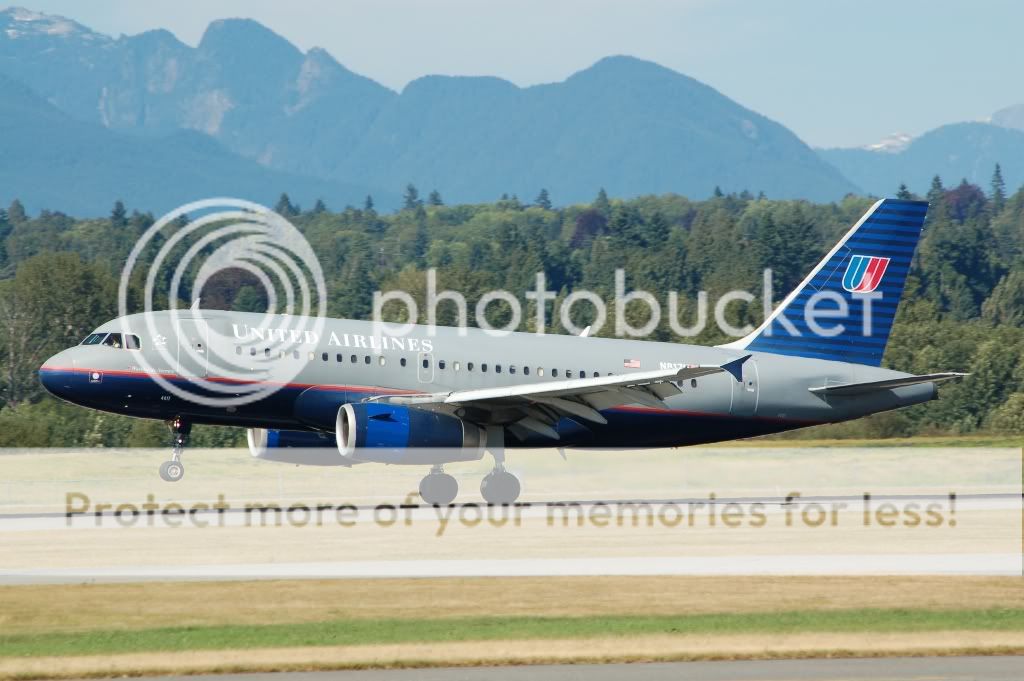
(1006, 668)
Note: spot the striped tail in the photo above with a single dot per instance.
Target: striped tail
(844, 309)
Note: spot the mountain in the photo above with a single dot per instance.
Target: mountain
(1010, 117)
(628, 125)
(53, 161)
(959, 151)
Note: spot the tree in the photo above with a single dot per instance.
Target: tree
(368, 203)
(411, 199)
(543, 199)
(936, 192)
(904, 193)
(434, 198)
(319, 207)
(718, 192)
(601, 204)
(285, 207)
(998, 190)
(16, 212)
(118, 215)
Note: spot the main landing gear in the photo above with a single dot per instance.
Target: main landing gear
(174, 470)
(438, 488)
(498, 487)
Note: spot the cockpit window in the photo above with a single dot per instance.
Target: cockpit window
(132, 341)
(93, 339)
(113, 340)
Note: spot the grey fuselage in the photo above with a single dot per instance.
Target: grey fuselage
(774, 394)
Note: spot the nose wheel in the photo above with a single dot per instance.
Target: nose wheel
(174, 470)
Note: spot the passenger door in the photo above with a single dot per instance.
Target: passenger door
(745, 393)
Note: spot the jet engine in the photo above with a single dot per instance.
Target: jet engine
(396, 434)
(294, 446)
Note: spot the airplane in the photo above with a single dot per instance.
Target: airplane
(439, 395)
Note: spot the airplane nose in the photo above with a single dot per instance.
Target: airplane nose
(57, 374)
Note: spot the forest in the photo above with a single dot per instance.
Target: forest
(963, 309)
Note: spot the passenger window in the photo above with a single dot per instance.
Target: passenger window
(483, 368)
(583, 374)
(113, 340)
(252, 352)
(596, 374)
(339, 358)
(366, 359)
(312, 355)
(455, 366)
(540, 371)
(554, 373)
(402, 361)
(497, 368)
(382, 361)
(440, 364)
(266, 352)
(324, 356)
(512, 369)
(354, 359)
(693, 382)
(469, 366)
(526, 371)
(238, 349)
(132, 343)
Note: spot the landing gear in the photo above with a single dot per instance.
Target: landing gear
(438, 488)
(174, 470)
(499, 486)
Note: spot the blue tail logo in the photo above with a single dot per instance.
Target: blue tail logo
(844, 310)
(864, 273)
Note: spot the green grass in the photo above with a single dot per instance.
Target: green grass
(355, 632)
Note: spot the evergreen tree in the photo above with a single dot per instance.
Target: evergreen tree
(285, 207)
(434, 199)
(718, 192)
(118, 216)
(998, 190)
(411, 199)
(16, 212)
(543, 199)
(319, 207)
(368, 203)
(904, 193)
(936, 192)
(601, 204)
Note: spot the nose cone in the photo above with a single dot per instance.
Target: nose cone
(58, 374)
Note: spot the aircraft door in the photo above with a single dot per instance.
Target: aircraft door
(745, 393)
(425, 367)
(193, 347)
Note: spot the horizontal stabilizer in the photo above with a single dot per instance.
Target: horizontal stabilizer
(873, 386)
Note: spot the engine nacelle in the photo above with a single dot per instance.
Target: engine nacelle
(396, 434)
(294, 446)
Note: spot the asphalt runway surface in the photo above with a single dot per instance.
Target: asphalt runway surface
(995, 668)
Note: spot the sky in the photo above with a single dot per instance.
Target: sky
(836, 72)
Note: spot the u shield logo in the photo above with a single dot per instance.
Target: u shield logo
(864, 273)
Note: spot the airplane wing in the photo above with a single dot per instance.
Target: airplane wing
(848, 389)
(538, 406)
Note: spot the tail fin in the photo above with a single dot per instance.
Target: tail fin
(844, 309)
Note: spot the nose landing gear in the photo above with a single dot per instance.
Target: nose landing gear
(174, 470)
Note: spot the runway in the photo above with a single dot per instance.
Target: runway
(1006, 668)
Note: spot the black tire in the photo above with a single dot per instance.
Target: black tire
(500, 487)
(172, 471)
(439, 489)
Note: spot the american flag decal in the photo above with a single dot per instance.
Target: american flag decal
(630, 364)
